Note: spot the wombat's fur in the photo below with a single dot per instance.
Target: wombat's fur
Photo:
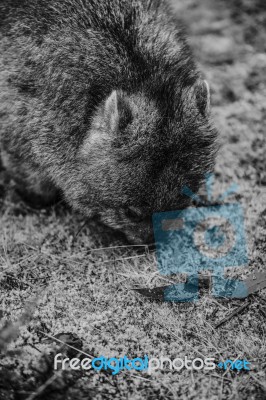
(101, 100)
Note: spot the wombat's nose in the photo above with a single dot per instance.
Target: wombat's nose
(142, 235)
(133, 239)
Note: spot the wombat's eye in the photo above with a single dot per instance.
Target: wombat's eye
(134, 214)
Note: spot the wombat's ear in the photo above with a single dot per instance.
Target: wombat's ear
(203, 97)
(117, 112)
(111, 113)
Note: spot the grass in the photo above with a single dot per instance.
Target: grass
(57, 276)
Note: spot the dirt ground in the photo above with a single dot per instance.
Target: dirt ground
(57, 277)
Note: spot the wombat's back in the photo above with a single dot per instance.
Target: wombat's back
(104, 100)
(95, 43)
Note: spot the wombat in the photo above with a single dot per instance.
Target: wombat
(102, 102)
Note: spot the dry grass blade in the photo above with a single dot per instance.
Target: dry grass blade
(65, 344)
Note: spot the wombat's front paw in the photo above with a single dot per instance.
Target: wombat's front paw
(31, 187)
(37, 198)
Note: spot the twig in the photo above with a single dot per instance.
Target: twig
(79, 230)
(262, 385)
(120, 247)
(34, 347)
(229, 316)
(44, 386)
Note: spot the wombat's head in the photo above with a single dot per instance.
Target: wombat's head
(138, 156)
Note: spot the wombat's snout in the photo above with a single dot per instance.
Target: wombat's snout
(142, 233)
